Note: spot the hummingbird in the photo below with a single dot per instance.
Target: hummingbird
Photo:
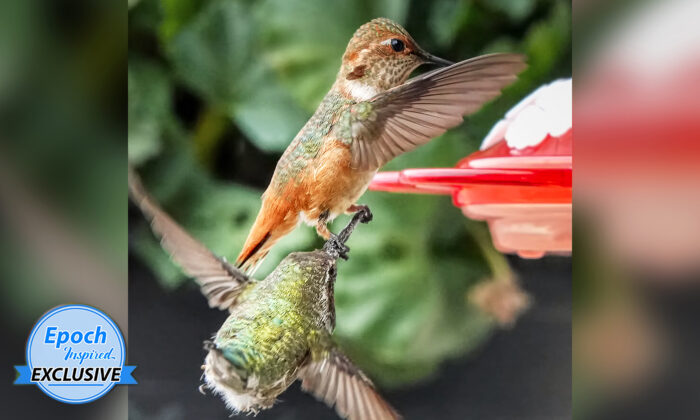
(278, 330)
(370, 115)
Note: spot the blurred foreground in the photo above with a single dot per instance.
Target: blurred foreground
(63, 211)
(637, 199)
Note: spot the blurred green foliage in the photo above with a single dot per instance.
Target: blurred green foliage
(217, 90)
(62, 156)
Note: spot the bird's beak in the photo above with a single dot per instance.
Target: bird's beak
(431, 59)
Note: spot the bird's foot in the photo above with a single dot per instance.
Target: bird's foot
(336, 246)
(336, 243)
(364, 210)
(365, 214)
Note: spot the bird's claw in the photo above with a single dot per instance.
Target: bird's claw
(365, 214)
(336, 244)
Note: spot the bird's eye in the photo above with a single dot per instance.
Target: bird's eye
(397, 45)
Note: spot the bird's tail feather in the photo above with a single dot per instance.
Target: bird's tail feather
(266, 231)
(254, 251)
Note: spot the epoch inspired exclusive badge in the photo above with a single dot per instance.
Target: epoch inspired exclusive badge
(75, 354)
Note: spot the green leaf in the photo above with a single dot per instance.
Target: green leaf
(447, 18)
(517, 10)
(269, 116)
(548, 41)
(212, 52)
(215, 54)
(176, 13)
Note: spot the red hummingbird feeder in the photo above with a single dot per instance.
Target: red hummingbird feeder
(520, 180)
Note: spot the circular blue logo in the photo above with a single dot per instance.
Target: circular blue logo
(75, 354)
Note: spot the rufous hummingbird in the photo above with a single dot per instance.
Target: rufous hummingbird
(278, 330)
(370, 115)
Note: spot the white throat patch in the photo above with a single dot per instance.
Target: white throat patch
(360, 91)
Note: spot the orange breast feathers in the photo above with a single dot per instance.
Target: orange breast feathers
(327, 183)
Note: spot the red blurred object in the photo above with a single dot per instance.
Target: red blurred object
(523, 194)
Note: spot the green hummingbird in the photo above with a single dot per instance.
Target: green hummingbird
(279, 329)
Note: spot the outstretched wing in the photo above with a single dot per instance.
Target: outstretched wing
(407, 116)
(219, 281)
(335, 380)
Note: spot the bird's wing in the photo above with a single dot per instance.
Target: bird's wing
(409, 115)
(219, 281)
(334, 379)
